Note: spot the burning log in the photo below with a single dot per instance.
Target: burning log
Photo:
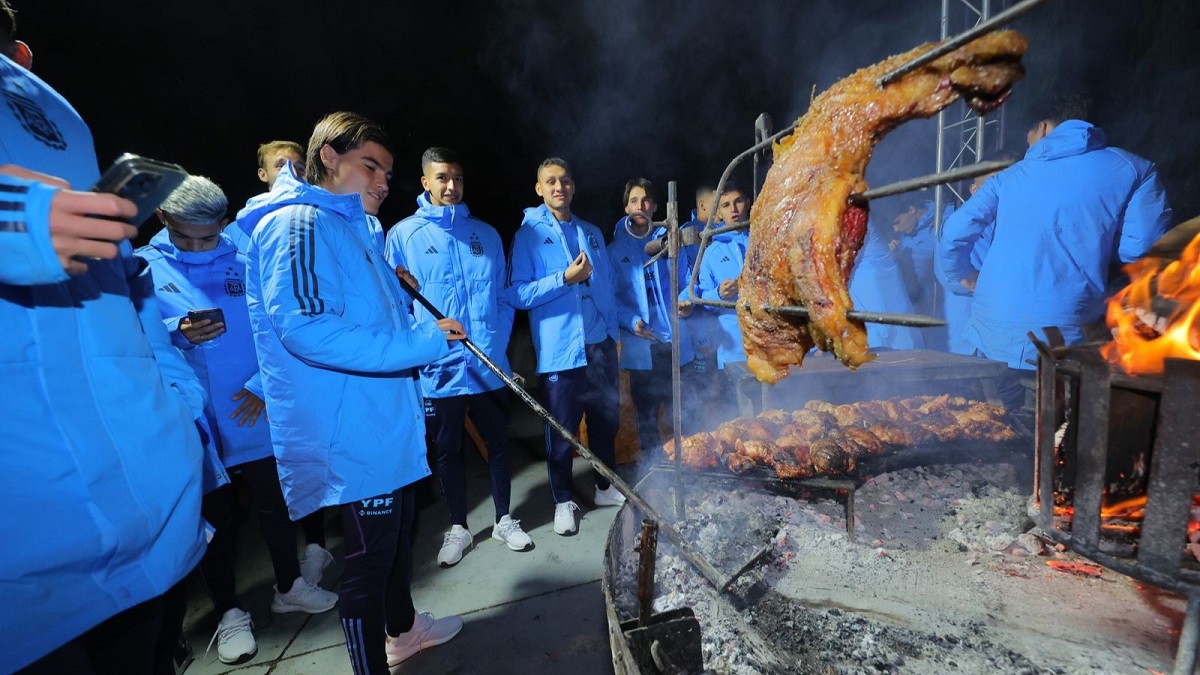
(1154, 317)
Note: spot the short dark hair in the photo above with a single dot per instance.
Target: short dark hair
(731, 187)
(8, 26)
(1061, 108)
(276, 146)
(342, 131)
(553, 161)
(706, 190)
(438, 155)
(645, 185)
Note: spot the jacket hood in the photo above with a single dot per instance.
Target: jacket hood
(445, 216)
(1072, 137)
(540, 215)
(288, 190)
(161, 242)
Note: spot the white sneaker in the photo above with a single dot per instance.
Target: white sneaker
(314, 562)
(304, 597)
(564, 518)
(426, 632)
(235, 641)
(457, 540)
(609, 496)
(509, 531)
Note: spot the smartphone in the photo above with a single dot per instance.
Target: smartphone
(143, 181)
(215, 314)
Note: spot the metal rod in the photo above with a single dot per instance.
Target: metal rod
(911, 320)
(959, 40)
(646, 559)
(676, 356)
(1185, 655)
(950, 176)
(685, 550)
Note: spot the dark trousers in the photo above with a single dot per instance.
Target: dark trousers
(569, 394)
(444, 419)
(650, 390)
(124, 643)
(376, 583)
(1012, 387)
(701, 393)
(278, 531)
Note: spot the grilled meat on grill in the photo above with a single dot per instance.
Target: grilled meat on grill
(828, 439)
(806, 235)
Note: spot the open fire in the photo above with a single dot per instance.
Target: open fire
(1154, 317)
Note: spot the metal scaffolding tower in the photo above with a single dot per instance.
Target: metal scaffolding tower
(963, 136)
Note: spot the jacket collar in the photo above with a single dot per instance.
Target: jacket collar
(288, 190)
(446, 217)
(161, 242)
(1072, 137)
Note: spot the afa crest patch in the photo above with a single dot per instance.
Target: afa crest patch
(476, 246)
(234, 286)
(34, 121)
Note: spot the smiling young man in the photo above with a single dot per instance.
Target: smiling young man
(559, 271)
(458, 260)
(337, 349)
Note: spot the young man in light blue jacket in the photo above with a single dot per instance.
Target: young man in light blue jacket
(643, 300)
(459, 262)
(100, 460)
(718, 280)
(196, 267)
(559, 271)
(1062, 218)
(337, 350)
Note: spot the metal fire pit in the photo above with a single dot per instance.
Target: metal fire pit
(1077, 385)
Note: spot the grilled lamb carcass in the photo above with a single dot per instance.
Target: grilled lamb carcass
(806, 235)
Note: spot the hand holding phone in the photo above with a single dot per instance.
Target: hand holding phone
(145, 182)
(83, 225)
(202, 325)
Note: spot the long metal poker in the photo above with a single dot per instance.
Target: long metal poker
(685, 550)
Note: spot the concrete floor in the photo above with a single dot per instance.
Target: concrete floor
(535, 612)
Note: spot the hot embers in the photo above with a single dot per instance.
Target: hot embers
(946, 577)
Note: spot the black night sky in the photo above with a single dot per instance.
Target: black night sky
(668, 89)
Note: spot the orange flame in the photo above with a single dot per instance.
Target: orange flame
(1137, 346)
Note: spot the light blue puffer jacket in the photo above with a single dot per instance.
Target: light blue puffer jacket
(459, 262)
(187, 280)
(99, 455)
(337, 349)
(1063, 216)
(723, 259)
(635, 286)
(536, 267)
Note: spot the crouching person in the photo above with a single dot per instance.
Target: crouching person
(337, 353)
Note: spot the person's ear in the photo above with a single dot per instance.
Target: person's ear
(224, 222)
(424, 183)
(262, 174)
(162, 217)
(21, 54)
(329, 157)
(537, 187)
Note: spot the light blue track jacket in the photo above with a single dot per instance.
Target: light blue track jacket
(877, 285)
(1063, 217)
(644, 293)
(536, 267)
(723, 259)
(99, 456)
(459, 262)
(337, 349)
(187, 280)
